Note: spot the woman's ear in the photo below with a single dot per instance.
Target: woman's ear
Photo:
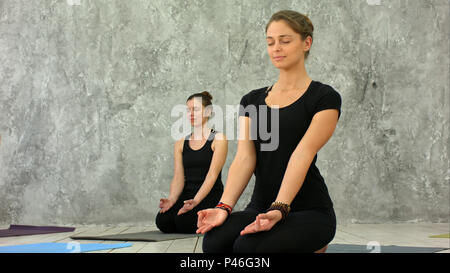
(208, 111)
(308, 43)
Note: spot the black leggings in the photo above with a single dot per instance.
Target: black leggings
(302, 231)
(170, 222)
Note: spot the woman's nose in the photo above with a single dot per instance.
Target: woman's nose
(277, 46)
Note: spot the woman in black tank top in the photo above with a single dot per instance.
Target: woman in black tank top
(198, 161)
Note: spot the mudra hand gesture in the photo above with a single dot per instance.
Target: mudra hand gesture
(210, 218)
(263, 222)
(188, 205)
(165, 204)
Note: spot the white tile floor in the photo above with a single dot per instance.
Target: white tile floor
(416, 234)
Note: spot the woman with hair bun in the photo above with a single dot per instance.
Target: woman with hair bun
(198, 161)
(290, 209)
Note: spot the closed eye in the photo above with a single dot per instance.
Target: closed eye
(281, 42)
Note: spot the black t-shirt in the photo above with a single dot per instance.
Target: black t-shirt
(294, 121)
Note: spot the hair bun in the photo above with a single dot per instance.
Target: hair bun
(207, 94)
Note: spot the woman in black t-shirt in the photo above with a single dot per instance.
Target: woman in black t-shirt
(198, 161)
(290, 209)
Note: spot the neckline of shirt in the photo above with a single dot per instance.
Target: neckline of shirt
(287, 106)
(208, 139)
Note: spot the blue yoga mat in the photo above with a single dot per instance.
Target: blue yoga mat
(72, 247)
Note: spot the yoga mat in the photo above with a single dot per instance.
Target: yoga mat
(147, 236)
(343, 248)
(441, 236)
(72, 247)
(21, 230)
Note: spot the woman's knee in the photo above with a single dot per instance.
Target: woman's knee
(245, 244)
(213, 242)
(164, 223)
(221, 239)
(210, 243)
(186, 223)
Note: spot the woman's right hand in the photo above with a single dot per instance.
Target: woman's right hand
(165, 204)
(210, 218)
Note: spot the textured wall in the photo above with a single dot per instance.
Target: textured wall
(86, 93)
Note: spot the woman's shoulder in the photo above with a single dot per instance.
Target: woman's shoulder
(217, 135)
(321, 89)
(219, 139)
(220, 136)
(324, 97)
(179, 144)
(253, 96)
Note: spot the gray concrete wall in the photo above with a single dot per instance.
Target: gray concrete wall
(86, 93)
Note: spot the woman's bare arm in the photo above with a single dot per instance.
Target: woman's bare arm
(242, 167)
(177, 185)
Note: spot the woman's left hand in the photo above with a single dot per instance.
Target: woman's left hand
(263, 222)
(188, 205)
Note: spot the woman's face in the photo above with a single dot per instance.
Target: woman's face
(196, 112)
(285, 47)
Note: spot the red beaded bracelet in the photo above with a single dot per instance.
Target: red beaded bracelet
(224, 207)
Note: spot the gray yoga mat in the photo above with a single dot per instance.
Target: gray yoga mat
(147, 236)
(156, 236)
(22, 230)
(344, 248)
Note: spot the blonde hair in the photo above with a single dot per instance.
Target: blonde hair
(299, 23)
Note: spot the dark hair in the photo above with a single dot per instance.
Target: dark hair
(205, 96)
(300, 23)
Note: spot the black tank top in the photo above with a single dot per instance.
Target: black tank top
(196, 164)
